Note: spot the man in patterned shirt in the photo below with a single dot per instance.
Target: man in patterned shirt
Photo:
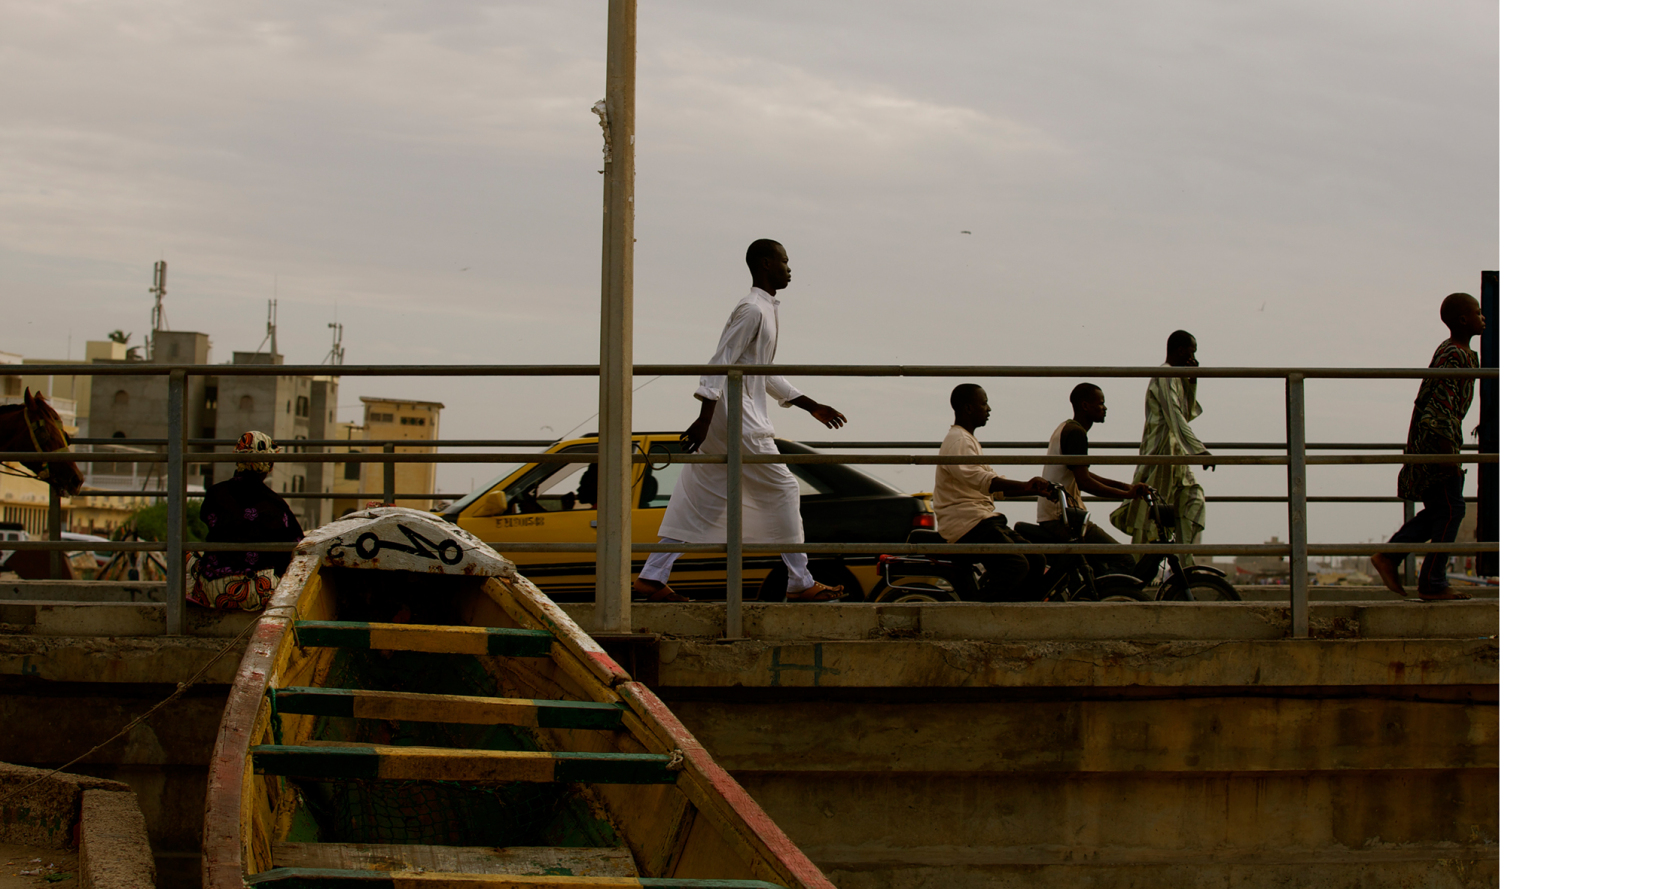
(1437, 428)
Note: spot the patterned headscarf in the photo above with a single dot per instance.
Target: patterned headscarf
(255, 443)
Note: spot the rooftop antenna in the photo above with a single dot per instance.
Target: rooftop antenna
(270, 329)
(158, 286)
(337, 352)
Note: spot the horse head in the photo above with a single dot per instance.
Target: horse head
(45, 433)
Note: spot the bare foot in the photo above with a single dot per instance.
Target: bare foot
(653, 591)
(1443, 596)
(1386, 570)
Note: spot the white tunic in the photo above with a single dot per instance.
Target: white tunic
(772, 497)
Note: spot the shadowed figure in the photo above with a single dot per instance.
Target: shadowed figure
(1437, 428)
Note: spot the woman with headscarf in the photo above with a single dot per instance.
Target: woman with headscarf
(242, 509)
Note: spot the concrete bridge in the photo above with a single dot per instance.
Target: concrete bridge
(1089, 745)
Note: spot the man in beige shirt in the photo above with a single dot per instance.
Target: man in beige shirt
(963, 495)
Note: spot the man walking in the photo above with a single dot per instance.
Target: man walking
(963, 504)
(1071, 437)
(772, 498)
(1172, 403)
(1437, 428)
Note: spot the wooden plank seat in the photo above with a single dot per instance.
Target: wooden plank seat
(507, 861)
(321, 878)
(457, 709)
(498, 641)
(449, 764)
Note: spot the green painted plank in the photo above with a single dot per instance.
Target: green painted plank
(314, 701)
(616, 768)
(319, 878)
(447, 764)
(548, 713)
(500, 641)
(332, 633)
(520, 643)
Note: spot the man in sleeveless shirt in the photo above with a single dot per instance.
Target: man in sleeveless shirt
(1071, 437)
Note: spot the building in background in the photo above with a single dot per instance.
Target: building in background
(397, 419)
(220, 407)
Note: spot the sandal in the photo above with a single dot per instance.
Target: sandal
(645, 592)
(1443, 596)
(818, 592)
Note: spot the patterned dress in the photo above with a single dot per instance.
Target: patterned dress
(1438, 423)
(241, 510)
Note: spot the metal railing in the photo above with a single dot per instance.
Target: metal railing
(1296, 459)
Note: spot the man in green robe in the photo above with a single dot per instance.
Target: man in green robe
(1172, 403)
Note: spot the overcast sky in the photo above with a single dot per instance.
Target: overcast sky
(1297, 183)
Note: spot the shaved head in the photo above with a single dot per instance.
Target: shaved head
(1456, 303)
(759, 251)
(1461, 313)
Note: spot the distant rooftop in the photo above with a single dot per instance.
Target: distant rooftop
(366, 399)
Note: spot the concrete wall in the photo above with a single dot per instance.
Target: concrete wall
(1104, 745)
(50, 809)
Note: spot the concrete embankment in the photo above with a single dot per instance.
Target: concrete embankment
(1098, 745)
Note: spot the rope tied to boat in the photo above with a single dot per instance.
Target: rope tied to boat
(677, 760)
(180, 689)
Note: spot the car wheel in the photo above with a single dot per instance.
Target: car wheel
(773, 588)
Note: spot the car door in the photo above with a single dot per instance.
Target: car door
(542, 505)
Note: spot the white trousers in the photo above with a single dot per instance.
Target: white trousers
(658, 566)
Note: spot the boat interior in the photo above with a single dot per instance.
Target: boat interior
(445, 723)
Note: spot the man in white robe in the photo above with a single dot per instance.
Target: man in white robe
(772, 497)
(1172, 403)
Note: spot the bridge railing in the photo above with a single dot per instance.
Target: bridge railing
(1296, 458)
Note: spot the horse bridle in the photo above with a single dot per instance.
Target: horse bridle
(45, 473)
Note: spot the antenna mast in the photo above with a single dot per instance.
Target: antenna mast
(158, 286)
(270, 329)
(337, 352)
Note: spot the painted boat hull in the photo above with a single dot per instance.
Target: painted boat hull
(673, 812)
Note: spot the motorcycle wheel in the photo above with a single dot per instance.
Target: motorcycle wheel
(1205, 588)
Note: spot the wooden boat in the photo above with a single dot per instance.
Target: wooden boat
(410, 712)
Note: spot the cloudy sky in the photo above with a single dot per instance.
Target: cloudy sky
(1297, 183)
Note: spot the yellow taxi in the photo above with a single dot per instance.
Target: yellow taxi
(555, 503)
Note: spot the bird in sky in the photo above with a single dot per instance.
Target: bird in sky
(468, 267)
(967, 232)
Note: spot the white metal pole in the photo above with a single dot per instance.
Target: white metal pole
(614, 556)
(734, 505)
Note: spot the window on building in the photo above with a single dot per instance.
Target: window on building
(299, 484)
(354, 471)
(246, 403)
(412, 421)
(381, 418)
(212, 395)
(302, 406)
(120, 399)
(119, 434)
(288, 406)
